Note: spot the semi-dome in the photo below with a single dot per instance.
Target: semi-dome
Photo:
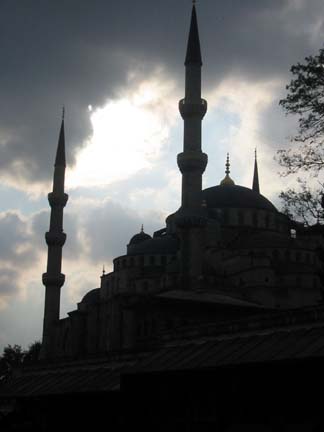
(234, 196)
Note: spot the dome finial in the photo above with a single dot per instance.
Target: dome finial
(227, 179)
(103, 270)
(142, 228)
(227, 165)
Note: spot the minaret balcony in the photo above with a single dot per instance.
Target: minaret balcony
(55, 238)
(53, 280)
(192, 161)
(192, 109)
(57, 200)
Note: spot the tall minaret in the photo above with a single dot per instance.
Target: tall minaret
(55, 238)
(255, 183)
(192, 163)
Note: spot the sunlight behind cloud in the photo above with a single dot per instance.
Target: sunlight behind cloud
(128, 136)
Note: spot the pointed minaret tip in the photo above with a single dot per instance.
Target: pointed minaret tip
(193, 55)
(255, 183)
(60, 153)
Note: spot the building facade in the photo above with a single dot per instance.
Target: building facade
(227, 252)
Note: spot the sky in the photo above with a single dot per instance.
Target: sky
(117, 67)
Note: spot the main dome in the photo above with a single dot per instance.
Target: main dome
(234, 196)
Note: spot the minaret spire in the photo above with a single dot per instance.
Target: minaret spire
(193, 55)
(55, 238)
(60, 152)
(255, 183)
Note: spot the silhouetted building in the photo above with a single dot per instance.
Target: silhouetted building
(216, 319)
(227, 248)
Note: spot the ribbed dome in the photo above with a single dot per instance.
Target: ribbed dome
(233, 196)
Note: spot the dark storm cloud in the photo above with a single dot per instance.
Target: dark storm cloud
(78, 53)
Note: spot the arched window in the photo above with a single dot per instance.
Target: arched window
(225, 216)
(293, 233)
(65, 339)
(275, 254)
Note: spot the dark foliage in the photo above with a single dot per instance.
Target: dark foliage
(304, 205)
(14, 357)
(305, 99)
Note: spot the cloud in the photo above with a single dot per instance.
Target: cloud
(87, 54)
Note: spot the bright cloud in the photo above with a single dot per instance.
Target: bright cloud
(129, 134)
(248, 101)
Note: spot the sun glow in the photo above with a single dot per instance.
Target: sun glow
(128, 136)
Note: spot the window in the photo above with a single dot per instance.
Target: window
(225, 216)
(275, 254)
(145, 286)
(241, 218)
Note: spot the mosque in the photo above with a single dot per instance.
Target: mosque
(213, 323)
(227, 252)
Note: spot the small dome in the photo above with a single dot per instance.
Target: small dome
(91, 297)
(160, 245)
(139, 238)
(227, 181)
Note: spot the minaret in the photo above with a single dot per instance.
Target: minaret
(192, 163)
(55, 238)
(255, 183)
